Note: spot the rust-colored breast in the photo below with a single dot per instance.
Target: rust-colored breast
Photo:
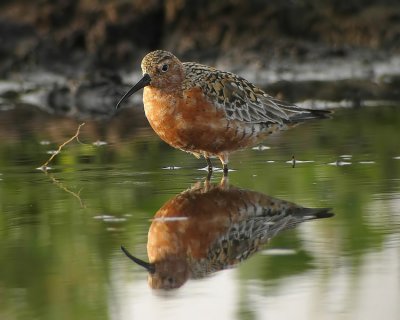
(186, 226)
(189, 224)
(189, 121)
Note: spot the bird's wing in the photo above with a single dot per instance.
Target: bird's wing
(240, 99)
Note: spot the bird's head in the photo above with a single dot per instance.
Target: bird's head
(161, 70)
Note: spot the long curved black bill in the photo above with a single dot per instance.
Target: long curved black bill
(148, 266)
(145, 81)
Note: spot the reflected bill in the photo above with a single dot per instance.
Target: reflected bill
(212, 227)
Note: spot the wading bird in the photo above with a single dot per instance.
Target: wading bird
(209, 112)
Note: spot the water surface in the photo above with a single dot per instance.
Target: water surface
(61, 231)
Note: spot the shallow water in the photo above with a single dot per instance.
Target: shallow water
(61, 231)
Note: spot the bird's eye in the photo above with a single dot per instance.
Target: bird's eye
(164, 68)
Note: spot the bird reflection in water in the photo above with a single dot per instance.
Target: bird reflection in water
(211, 227)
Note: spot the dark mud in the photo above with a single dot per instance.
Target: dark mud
(67, 57)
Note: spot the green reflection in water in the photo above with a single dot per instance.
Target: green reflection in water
(58, 253)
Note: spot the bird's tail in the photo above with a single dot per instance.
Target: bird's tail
(300, 115)
(316, 213)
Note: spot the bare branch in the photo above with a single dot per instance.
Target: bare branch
(45, 167)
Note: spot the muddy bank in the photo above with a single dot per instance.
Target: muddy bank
(96, 98)
(77, 58)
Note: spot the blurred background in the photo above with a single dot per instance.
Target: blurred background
(292, 48)
(117, 33)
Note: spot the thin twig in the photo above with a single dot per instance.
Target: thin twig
(44, 167)
(63, 187)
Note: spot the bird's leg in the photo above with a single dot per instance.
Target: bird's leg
(209, 174)
(207, 183)
(209, 165)
(224, 183)
(224, 160)
(226, 170)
